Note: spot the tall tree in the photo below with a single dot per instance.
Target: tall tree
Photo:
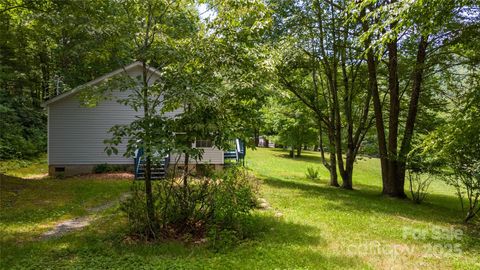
(322, 67)
(431, 25)
(160, 32)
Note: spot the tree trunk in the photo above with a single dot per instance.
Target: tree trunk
(148, 192)
(412, 108)
(44, 60)
(148, 152)
(185, 175)
(291, 153)
(333, 161)
(187, 109)
(320, 146)
(347, 173)
(299, 150)
(256, 135)
(348, 181)
(333, 170)
(377, 105)
(336, 120)
(394, 187)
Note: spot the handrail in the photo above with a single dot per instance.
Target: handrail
(167, 162)
(237, 142)
(139, 158)
(240, 151)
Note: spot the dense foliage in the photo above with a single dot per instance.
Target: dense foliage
(208, 207)
(46, 48)
(292, 124)
(455, 147)
(23, 128)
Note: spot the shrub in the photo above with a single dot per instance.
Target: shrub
(419, 185)
(214, 208)
(206, 170)
(420, 165)
(232, 199)
(456, 145)
(312, 173)
(106, 168)
(134, 207)
(466, 181)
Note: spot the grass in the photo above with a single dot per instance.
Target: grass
(321, 227)
(34, 168)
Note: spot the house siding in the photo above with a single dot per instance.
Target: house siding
(76, 133)
(210, 156)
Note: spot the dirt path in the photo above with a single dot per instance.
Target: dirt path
(78, 223)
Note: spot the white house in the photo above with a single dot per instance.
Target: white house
(76, 133)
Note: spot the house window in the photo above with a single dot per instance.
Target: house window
(203, 143)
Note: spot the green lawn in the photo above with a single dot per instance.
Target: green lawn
(321, 227)
(35, 168)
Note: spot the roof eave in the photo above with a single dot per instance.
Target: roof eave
(97, 80)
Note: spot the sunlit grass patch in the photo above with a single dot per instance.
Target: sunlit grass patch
(34, 168)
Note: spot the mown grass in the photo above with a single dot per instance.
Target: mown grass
(361, 219)
(321, 227)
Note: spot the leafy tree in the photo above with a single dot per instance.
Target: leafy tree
(292, 123)
(241, 56)
(159, 30)
(456, 145)
(434, 27)
(48, 47)
(192, 80)
(320, 64)
(23, 133)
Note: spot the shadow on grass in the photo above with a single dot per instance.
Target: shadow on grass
(26, 201)
(367, 199)
(275, 244)
(310, 157)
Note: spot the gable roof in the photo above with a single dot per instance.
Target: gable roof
(97, 80)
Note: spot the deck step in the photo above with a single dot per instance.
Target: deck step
(158, 169)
